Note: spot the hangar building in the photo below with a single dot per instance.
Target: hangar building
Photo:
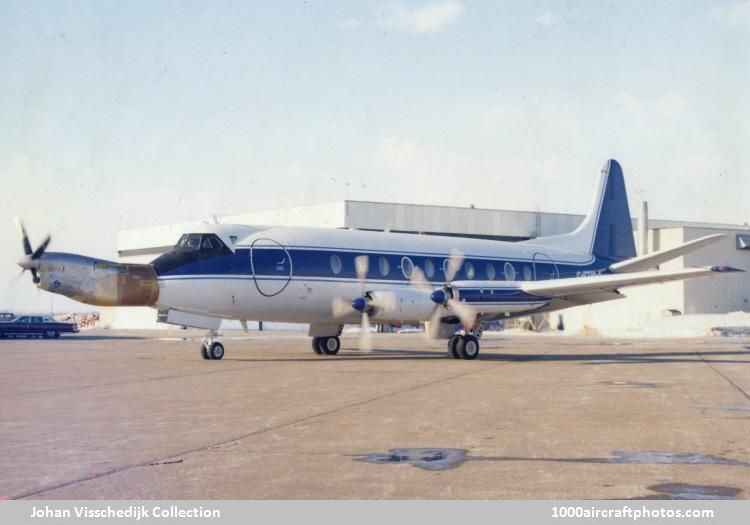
(644, 304)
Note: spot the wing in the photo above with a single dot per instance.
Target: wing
(576, 289)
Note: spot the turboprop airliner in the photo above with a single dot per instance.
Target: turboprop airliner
(330, 277)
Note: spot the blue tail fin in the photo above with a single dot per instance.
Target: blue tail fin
(607, 230)
(613, 237)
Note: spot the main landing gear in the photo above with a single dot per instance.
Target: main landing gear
(210, 347)
(326, 345)
(465, 346)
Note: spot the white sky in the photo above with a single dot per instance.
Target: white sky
(125, 114)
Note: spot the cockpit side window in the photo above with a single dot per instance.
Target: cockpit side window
(194, 241)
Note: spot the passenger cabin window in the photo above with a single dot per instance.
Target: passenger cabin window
(429, 268)
(36, 319)
(469, 270)
(384, 266)
(509, 271)
(490, 271)
(23, 319)
(336, 264)
(407, 267)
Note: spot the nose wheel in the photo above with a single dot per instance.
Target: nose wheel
(326, 345)
(210, 347)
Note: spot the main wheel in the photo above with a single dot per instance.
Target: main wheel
(329, 345)
(452, 346)
(204, 352)
(468, 347)
(316, 345)
(216, 351)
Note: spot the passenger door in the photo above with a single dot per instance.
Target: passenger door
(544, 268)
(271, 266)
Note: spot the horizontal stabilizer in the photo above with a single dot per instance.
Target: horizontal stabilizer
(651, 260)
(611, 282)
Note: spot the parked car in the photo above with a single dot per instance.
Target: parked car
(34, 326)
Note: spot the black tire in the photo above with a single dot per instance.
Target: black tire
(216, 351)
(49, 335)
(330, 345)
(57, 335)
(204, 352)
(468, 347)
(453, 346)
(316, 345)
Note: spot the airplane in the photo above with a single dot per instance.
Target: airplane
(330, 277)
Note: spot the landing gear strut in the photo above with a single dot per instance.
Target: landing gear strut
(465, 346)
(326, 345)
(210, 347)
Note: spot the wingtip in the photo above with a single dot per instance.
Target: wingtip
(725, 269)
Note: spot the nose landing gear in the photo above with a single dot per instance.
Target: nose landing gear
(210, 347)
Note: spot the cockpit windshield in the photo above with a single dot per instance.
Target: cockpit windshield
(191, 248)
(201, 242)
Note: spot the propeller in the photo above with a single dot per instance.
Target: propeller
(361, 303)
(31, 258)
(366, 303)
(445, 297)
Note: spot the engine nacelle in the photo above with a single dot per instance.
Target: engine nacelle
(405, 305)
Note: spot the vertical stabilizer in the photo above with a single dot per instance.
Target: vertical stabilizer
(607, 230)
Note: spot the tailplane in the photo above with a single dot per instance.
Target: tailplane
(607, 230)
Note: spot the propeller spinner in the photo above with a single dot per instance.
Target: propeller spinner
(31, 259)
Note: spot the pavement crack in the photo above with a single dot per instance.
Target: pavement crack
(725, 377)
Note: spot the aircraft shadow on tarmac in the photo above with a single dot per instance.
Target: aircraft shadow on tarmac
(595, 358)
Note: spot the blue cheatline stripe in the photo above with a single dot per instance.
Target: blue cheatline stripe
(317, 264)
(440, 255)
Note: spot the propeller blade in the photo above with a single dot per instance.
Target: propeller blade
(361, 265)
(24, 238)
(418, 279)
(432, 328)
(465, 313)
(341, 308)
(455, 262)
(41, 249)
(35, 277)
(365, 337)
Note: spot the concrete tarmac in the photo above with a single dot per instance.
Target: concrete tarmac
(126, 415)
